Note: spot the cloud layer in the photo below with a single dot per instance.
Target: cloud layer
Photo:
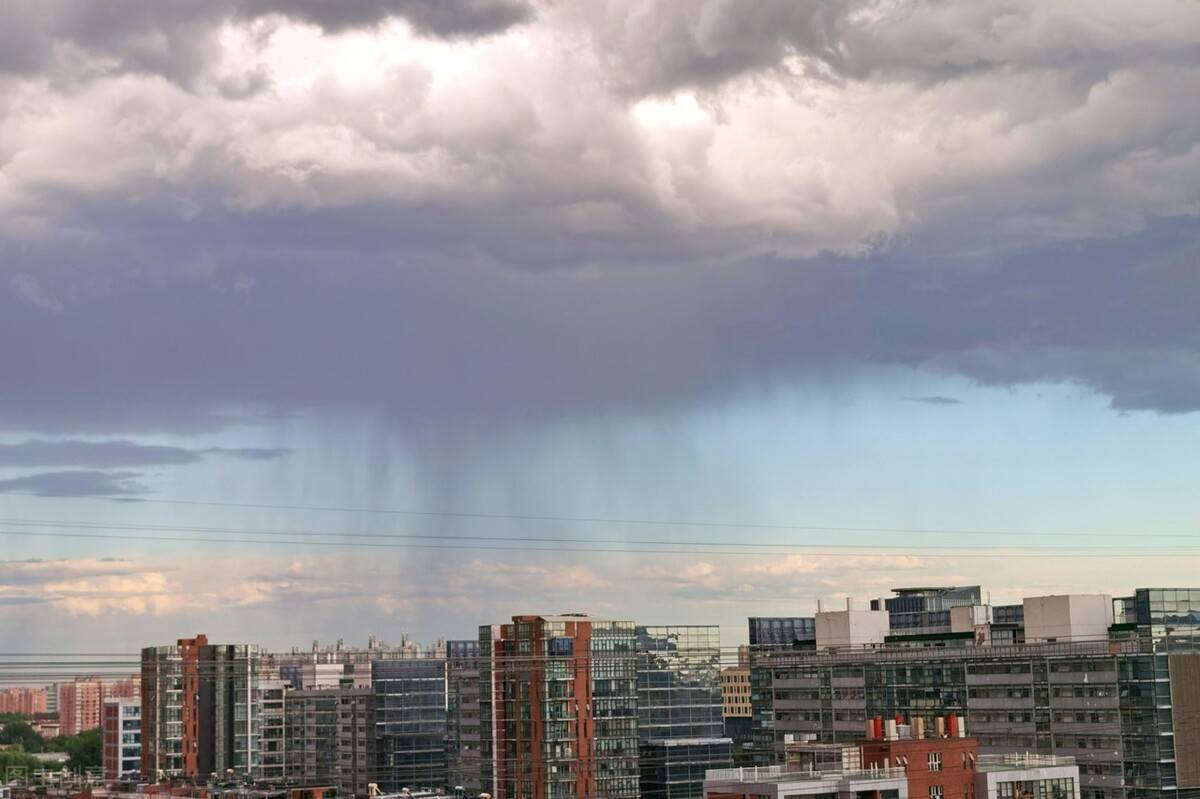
(491, 207)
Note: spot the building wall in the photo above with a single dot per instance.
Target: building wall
(79, 703)
(563, 708)
(735, 692)
(680, 727)
(121, 737)
(330, 738)
(1108, 704)
(781, 631)
(26, 701)
(201, 708)
(272, 730)
(464, 696)
(410, 722)
(849, 628)
(935, 767)
(1068, 617)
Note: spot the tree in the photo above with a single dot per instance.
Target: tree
(16, 758)
(19, 732)
(85, 749)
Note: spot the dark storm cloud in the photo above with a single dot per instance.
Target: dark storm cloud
(81, 483)
(177, 38)
(449, 345)
(656, 47)
(548, 226)
(36, 453)
(449, 18)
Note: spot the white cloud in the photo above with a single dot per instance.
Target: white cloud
(936, 117)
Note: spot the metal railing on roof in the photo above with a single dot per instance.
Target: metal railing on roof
(782, 773)
(1022, 760)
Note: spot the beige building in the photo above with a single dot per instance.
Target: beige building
(735, 692)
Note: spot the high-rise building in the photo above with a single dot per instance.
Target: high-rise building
(121, 737)
(79, 704)
(463, 716)
(1126, 706)
(680, 728)
(331, 739)
(26, 701)
(562, 692)
(410, 722)
(201, 708)
(122, 689)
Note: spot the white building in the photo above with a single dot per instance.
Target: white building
(121, 731)
(1068, 617)
(838, 629)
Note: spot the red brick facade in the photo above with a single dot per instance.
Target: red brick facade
(937, 768)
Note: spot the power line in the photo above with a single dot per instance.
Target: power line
(847, 552)
(54, 524)
(632, 521)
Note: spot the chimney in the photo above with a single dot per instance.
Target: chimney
(939, 727)
(891, 729)
(961, 725)
(877, 723)
(870, 730)
(919, 727)
(952, 724)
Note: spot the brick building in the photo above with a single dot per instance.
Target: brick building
(941, 767)
(79, 704)
(562, 707)
(26, 701)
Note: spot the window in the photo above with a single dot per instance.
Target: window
(935, 792)
(935, 762)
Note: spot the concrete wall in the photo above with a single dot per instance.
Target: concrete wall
(842, 628)
(1068, 617)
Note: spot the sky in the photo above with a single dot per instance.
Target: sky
(320, 320)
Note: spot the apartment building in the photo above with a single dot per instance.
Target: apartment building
(201, 709)
(330, 739)
(561, 708)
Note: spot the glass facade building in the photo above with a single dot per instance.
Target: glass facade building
(782, 631)
(680, 725)
(925, 611)
(410, 722)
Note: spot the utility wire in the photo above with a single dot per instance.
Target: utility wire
(961, 552)
(571, 519)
